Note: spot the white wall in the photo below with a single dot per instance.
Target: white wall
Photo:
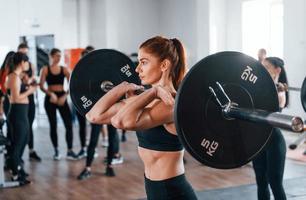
(295, 48)
(234, 26)
(179, 19)
(97, 23)
(70, 31)
(217, 25)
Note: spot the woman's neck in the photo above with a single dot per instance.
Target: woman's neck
(167, 83)
(54, 64)
(18, 71)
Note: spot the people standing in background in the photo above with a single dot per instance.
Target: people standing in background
(56, 99)
(18, 115)
(262, 53)
(28, 78)
(269, 164)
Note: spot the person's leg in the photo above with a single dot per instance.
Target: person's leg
(6, 108)
(51, 114)
(31, 115)
(66, 116)
(276, 164)
(94, 137)
(104, 136)
(19, 129)
(112, 150)
(260, 169)
(82, 135)
(123, 135)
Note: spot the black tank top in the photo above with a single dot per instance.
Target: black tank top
(159, 139)
(55, 79)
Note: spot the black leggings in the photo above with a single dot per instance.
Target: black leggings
(82, 129)
(94, 137)
(31, 115)
(66, 116)
(19, 130)
(269, 168)
(113, 143)
(113, 140)
(6, 108)
(176, 188)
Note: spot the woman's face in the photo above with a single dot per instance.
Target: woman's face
(149, 68)
(56, 57)
(273, 71)
(25, 65)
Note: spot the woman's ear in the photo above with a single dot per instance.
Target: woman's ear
(165, 65)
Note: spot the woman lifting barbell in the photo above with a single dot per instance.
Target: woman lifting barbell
(162, 64)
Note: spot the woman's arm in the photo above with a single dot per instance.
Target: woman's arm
(15, 89)
(282, 99)
(136, 116)
(109, 104)
(43, 75)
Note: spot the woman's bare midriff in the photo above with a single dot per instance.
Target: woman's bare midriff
(56, 88)
(161, 165)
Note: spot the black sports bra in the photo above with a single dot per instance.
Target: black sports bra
(55, 79)
(159, 139)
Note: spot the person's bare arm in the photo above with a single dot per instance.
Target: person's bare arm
(136, 116)
(282, 99)
(14, 85)
(109, 104)
(42, 81)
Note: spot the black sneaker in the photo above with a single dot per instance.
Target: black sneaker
(109, 172)
(84, 174)
(71, 156)
(23, 173)
(34, 156)
(82, 154)
(21, 179)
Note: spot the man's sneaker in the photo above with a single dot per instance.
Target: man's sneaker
(117, 160)
(71, 156)
(82, 154)
(34, 156)
(109, 172)
(57, 156)
(84, 174)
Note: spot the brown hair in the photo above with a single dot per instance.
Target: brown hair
(171, 49)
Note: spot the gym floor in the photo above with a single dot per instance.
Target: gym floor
(57, 179)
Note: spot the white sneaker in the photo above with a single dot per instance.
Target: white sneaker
(104, 143)
(57, 156)
(116, 161)
(96, 155)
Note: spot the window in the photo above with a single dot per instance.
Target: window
(262, 27)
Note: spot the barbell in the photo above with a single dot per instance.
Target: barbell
(225, 108)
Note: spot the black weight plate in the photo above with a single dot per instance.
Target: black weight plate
(95, 68)
(209, 137)
(303, 94)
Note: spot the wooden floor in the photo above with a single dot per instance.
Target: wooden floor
(57, 179)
